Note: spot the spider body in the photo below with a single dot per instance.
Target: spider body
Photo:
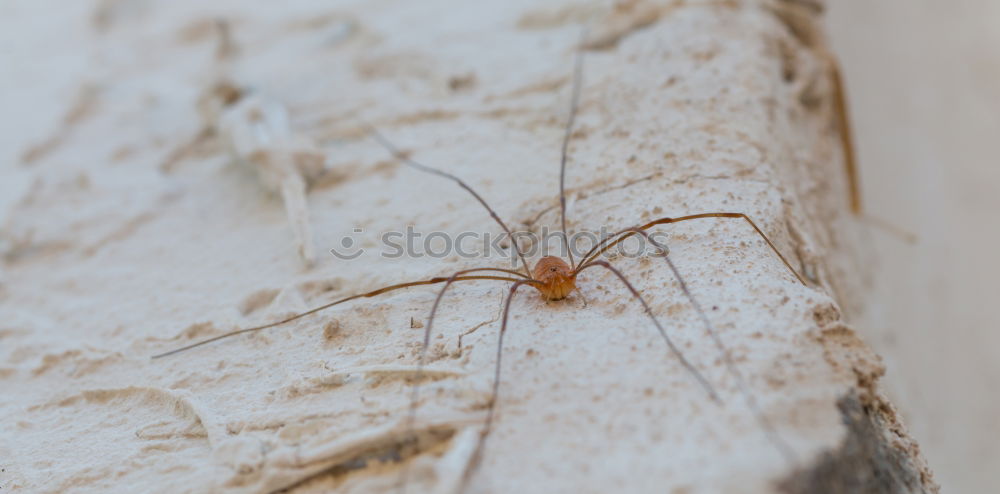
(556, 278)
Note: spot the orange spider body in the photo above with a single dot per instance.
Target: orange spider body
(557, 279)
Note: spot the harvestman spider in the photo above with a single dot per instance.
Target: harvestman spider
(554, 279)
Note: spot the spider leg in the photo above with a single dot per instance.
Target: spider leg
(846, 136)
(769, 430)
(477, 454)
(422, 362)
(574, 106)
(848, 150)
(659, 327)
(372, 293)
(618, 237)
(401, 156)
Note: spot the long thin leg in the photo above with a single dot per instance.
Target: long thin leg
(617, 238)
(659, 327)
(399, 155)
(477, 455)
(846, 137)
(769, 430)
(573, 107)
(844, 131)
(372, 293)
(846, 134)
(422, 362)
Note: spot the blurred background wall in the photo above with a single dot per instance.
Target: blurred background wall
(923, 78)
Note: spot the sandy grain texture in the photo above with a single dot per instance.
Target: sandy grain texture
(109, 256)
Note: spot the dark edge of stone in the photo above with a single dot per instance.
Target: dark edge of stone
(867, 461)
